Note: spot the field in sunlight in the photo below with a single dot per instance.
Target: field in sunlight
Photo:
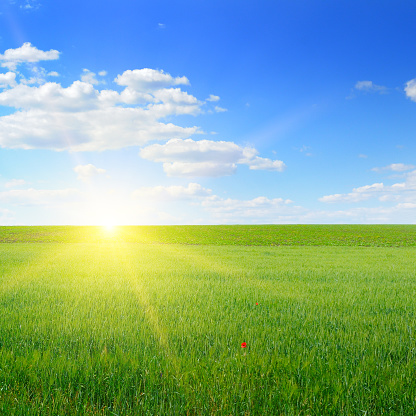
(124, 326)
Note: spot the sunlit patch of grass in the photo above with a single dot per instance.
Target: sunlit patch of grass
(114, 327)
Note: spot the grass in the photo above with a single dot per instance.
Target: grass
(240, 235)
(116, 326)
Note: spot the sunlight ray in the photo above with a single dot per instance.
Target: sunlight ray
(123, 259)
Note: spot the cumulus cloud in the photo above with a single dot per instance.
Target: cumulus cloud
(410, 89)
(79, 96)
(81, 117)
(87, 172)
(213, 98)
(206, 157)
(219, 109)
(96, 130)
(89, 77)
(26, 53)
(369, 86)
(261, 163)
(193, 190)
(148, 79)
(174, 101)
(404, 192)
(395, 167)
(7, 80)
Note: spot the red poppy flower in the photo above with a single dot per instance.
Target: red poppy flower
(256, 303)
(243, 345)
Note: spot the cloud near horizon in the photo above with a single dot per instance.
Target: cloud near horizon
(403, 192)
(395, 167)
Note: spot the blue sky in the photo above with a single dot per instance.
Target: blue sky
(197, 112)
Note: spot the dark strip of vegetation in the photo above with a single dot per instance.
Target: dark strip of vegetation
(245, 235)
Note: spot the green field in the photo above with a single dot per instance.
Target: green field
(260, 235)
(150, 320)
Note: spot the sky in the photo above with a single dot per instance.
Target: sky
(207, 112)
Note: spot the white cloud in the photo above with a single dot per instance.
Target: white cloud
(410, 89)
(148, 80)
(52, 74)
(37, 196)
(206, 157)
(87, 172)
(38, 75)
(7, 79)
(368, 86)
(96, 130)
(82, 118)
(402, 213)
(213, 98)
(174, 101)
(79, 96)
(395, 167)
(190, 151)
(174, 95)
(400, 192)
(30, 5)
(89, 77)
(15, 183)
(210, 169)
(358, 194)
(261, 163)
(26, 53)
(220, 109)
(192, 191)
(375, 187)
(256, 210)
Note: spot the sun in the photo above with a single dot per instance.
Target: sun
(109, 228)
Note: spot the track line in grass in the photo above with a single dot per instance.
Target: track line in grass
(123, 259)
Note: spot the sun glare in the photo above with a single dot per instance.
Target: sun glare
(109, 228)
